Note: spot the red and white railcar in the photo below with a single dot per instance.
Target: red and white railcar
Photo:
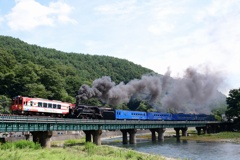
(39, 106)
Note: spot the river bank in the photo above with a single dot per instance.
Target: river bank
(76, 149)
(233, 137)
(72, 150)
(69, 143)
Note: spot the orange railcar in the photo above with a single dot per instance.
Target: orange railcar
(39, 106)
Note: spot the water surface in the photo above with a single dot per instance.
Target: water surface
(195, 150)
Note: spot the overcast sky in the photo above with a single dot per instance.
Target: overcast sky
(156, 34)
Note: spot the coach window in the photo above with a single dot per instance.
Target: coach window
(31, 103)
(49, 105)
(45, 105)
(39, 104)
(59, 106)
(20, 101)
(54, 106)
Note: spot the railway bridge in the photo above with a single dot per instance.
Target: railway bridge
(41, 127)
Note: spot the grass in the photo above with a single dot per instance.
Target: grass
(22, 144)
(72, 142)
(222, 136)
(145, 136)
(26, 150)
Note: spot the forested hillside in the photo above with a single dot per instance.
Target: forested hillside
(31, 70)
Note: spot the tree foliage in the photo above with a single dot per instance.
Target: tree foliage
(4, 104)
(233, 102)
(34, 71)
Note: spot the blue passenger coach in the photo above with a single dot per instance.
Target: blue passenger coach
(201, 117)
(159, 116)
(183, 117)
(128, 115)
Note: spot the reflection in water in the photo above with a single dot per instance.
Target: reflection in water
(195, 150)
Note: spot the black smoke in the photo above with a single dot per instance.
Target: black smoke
(193, 93)
(108, 92)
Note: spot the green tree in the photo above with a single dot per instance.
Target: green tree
(30, 70)
(5, 103)
(233, 102)
(142, 106)
(35, 90)
(218, 112)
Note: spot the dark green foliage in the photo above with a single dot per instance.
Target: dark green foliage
(4, 104)
(233, 102)
(218, 112)
(138, 105)
(34, 71)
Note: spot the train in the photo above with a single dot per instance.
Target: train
(155, 116)
(43, 107)
(38, 106)
(29, 106)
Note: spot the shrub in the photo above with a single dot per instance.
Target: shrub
(90, 148)
(70, 142)
(22, 144)
(7, 145)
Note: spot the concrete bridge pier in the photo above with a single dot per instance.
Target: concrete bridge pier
(132, 133)
(214, 128)
(94, 135)
(97, 136)
(198, 130)
(204, 130)
(177, 133)
(160, 132)
(184, 132)
(27, 135)
(132, 136)
(153, 131)
(88, 136)
(42, 137)
(124, 136)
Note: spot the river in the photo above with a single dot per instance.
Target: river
(194, 150)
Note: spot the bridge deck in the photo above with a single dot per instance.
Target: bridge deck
(28, 123)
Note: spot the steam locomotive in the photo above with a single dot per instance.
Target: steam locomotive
(39, 106)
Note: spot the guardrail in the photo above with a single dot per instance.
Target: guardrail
(20, 119)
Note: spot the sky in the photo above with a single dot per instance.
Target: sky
(156, 34)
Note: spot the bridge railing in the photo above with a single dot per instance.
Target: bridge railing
(29, 119)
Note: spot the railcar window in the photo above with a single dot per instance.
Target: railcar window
(59, 106)
(39, 104)
(49, 105)
(20, 101)
(31, 103)
(54, 106)
(45, 105)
